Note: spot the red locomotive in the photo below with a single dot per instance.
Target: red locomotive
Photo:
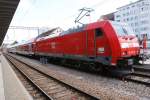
(104, 42)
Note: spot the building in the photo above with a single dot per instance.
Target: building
(137, 15)
(109, 16)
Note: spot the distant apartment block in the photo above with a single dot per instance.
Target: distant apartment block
(137, 15)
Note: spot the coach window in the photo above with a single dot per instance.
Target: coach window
(98, 32)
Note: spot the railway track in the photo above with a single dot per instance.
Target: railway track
(138, 77)
(142, 68)
(29, 85)
(48, 87)
(141, 75)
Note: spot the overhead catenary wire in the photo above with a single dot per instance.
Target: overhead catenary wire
(81, 14)
(23, 27)
(33, 2)
(95, 6)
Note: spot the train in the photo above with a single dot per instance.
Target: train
(103, 44)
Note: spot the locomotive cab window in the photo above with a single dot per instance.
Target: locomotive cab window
(98, 32)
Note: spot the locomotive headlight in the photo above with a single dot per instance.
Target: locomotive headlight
(124, 53)
(124, 45)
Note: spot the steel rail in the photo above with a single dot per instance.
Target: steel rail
(40, 89)
(142, 74)
(80, 91)
(128, 78)
(142, 69)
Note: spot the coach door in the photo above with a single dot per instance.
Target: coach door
(99, 42)
(90, 45)
(95, 42)
(30, 48)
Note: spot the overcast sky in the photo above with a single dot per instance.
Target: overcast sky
(54, 13)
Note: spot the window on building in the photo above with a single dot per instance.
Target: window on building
(133, 6)
(143, 3)
(136, 30)
(131, 12)
(144, 22)
(142, 9)
(127, 13)
(144, 28)
(134, 11)
(136, 24)
(136, 17)
(118, 16)
(127, 19)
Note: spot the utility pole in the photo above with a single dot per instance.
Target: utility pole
(38, 31)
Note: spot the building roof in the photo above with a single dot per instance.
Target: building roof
(109, 16)
(7, 10)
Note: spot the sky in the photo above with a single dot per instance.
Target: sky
(56, 13)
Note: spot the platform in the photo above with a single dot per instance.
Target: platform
(2, 97)
(11, 87)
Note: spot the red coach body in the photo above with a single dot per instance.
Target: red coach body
(105, 42)
(98, 42)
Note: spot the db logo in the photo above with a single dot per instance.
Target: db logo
(53, 45)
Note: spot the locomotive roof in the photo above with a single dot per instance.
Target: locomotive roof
(50, 33)
(90, 26)
(22, 43)
(73, 30)
(78, 28)
(47, 33)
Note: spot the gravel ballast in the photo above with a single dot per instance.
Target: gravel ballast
(102, 87)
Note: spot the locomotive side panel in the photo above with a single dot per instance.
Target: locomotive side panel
(72, 44)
